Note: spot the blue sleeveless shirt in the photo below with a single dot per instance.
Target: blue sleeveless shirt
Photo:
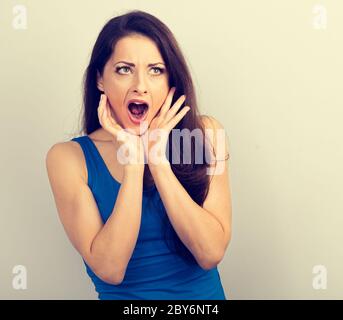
(156, 270)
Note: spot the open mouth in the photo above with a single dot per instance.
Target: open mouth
(138, 110)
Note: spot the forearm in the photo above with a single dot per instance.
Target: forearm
(197, 228)
(113, 245)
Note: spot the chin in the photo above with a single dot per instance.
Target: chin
(138, 130)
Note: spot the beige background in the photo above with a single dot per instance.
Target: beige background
(260, 67)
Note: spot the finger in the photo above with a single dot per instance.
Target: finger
(173, 122)
(103, 113)
(101, 105)
(101, 110)
(108, 126)
(173, 110)
(166, 105)
(105, 119)
(111, 116)
(160, 120)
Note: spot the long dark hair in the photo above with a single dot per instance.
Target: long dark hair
(192, 176)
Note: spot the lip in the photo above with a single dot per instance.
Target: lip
(139, 101)
(134, 120)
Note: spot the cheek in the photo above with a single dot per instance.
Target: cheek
(117, 111)
(161, 99)
(115, 99)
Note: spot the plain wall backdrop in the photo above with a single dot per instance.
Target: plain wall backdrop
(269, 70)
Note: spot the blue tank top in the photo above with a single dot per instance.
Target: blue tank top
(156, 270)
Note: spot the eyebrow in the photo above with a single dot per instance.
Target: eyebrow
(132, 64)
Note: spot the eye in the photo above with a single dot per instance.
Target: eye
(119, 68)
(161, 70)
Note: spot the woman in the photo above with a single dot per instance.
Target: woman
(146, 227)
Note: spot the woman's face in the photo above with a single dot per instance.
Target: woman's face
(122, 82)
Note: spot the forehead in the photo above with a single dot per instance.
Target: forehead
(135, 48)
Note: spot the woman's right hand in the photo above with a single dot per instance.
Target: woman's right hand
(131, 150)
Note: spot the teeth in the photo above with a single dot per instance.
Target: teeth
(135, 102)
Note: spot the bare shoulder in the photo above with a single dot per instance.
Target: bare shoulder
(216, 134)
(63, 154)
(210, 122)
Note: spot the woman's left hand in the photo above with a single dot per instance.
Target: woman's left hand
(160, 127)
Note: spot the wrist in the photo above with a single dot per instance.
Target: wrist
(134, 168)
(165, 164)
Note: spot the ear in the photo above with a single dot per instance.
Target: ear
(99, 82)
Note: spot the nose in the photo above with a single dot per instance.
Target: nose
(139, 84)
